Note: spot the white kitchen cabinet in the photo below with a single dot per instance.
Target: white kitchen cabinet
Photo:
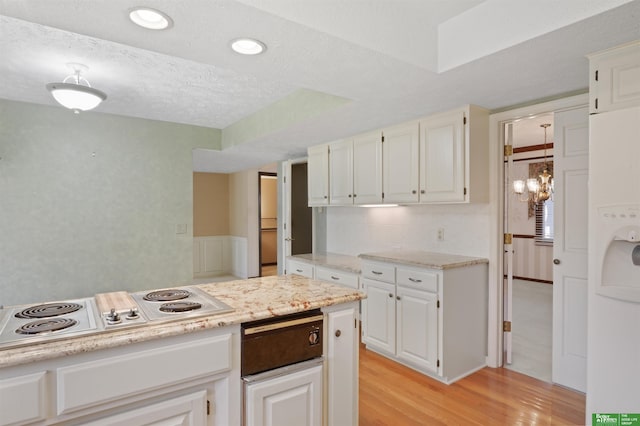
(614, 81)
(300, 268)
(290, 399)
(454, 154)
(379, 316)
(367, 168)
(191, 379)
(400, 154)
(341, 353)
(432, 320)
(318, 175)
(355, 170)
(341, 172)
(417, 327)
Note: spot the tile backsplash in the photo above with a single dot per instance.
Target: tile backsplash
(355, 230)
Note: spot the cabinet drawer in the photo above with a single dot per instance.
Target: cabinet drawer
(379, 272)
(300, 268)
(417, 278)
(96, 382)
(336, 276)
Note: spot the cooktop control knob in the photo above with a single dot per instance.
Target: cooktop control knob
(113, 317)
(133, 314)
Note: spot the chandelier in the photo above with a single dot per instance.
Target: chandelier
(539, 189)
(75, 92)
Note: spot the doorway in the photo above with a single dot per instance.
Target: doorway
(268, 218)
(301, 213)
(529, 258)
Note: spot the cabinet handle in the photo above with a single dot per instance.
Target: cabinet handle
(415, 280)
(354, 195)
(390, 295)
(376, 272)
(397, 297)
(422, 191)
(338, 333)
(414, 192)
(335, 278)
(298, 270)
(556, 261)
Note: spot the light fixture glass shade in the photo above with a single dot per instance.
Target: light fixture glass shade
(532, 185)
(518, 186)
(75, 96)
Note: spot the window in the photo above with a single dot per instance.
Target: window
(544, 222)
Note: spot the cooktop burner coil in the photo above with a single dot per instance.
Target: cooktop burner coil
(180, 306)
(48, 310)
(167, 295)
(46, 326)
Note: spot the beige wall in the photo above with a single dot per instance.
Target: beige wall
(238, 204)
(269, 198)
(210, 204)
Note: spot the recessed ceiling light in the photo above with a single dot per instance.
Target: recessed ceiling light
(248, 46)
(151, 19)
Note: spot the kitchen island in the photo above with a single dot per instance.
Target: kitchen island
(183, 368)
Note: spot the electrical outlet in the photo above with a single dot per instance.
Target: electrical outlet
(440, 234)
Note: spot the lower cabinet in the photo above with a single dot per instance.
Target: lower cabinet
(300, 268)
(294, 398)
(432, 320)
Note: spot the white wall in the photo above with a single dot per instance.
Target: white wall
(355, 230)
(90, 203)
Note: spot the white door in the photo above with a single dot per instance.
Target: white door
(293, 399)
(508, 249)
(571, 172)
(417, 327)
(379, 315)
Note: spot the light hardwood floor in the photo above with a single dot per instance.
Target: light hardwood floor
(391, 394)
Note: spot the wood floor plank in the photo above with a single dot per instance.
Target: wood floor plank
(392, 394)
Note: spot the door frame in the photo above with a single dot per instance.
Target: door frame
(496, 179)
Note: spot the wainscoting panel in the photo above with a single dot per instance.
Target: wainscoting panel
(219, 255)
(532, 261)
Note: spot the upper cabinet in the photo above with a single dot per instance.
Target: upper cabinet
(400, 160)
(614, 78)
(318, 175)
(355, 170)
(442, 158)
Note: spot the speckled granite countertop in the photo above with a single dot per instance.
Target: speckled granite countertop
(424, 259)
(253, 299)
(337, 261)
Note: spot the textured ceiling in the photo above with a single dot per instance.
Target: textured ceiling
(378, 57)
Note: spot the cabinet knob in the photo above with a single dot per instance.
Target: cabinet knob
(414, 192)
(354, 195)
(338, 333)
(422, 191)
(349, 195)
(326, 196)
(390, 295)
(556, 261)
(397, 297)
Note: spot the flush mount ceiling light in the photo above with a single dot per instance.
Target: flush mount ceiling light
(248, 46)
(75, 92)
(151, 19)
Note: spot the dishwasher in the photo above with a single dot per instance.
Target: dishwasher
(282, 370)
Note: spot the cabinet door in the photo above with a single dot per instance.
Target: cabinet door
(367, 169)
(341, 172)
(318, 175)
(379, 315)
(188, 410)
(615, 78)
(417, 328)
(442, 158)
(342, 363)
(400, 164)
(291, 399)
